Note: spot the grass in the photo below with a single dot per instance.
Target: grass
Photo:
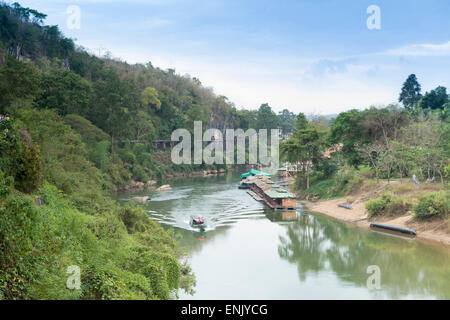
(322, 190)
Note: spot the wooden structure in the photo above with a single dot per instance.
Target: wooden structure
(163, 145)
(275, 196)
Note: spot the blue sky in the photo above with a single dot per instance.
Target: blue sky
(308, 56)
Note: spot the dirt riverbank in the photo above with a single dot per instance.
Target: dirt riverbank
(435, 230)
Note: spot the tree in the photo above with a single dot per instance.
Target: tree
(410, 94)
(287, 120)
(305, 148)
(347, 129)
(114, 99)
(301, 123)
(66, 92)
(371, 152)
(435, 99)
(18, 80)
(149, 99)
(266, 119)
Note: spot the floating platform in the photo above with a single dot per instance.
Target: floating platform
(273, 195)
(255, 196)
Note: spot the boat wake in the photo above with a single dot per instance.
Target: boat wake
(224, 206)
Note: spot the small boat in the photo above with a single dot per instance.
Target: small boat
(243, 185)
(197, 222)
(344, 206)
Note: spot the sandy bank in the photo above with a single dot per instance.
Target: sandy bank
(436, 231)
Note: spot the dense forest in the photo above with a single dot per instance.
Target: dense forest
(391, 142)
(78, 127)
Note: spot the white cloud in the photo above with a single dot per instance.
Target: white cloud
(422, 50)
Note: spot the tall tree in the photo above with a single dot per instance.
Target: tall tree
(305, 148)
(18, 80)
(410, 94)
(266, 119)
(287, 120)
(348, 129)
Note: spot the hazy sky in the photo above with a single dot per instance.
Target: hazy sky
(308, 56)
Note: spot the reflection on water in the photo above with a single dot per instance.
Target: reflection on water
(249, 252)
(408, 268)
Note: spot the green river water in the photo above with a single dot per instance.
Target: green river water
(250, 252)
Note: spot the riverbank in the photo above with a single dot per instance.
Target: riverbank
(136, 186)
(435, 230)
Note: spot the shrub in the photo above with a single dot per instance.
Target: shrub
(389, 204)
(139, 173)
(433, 204)
(127, 156)
(375, 206)
(85, 128)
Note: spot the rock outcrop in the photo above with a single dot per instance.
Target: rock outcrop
(165, 187)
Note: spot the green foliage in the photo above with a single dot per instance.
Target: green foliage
(266, 119)
(19, 158)
(139, 173)
(39, 243)
(433, 204)
(85, 128)
(149, 99)
(410, 94)
(28, 177)
(375, 206)
(23, 34)
(347, 129)
(286, 121)
(18, 80)
(435, 99)
(387, 204)
(65, 91)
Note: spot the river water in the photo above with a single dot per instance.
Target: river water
(251, 252)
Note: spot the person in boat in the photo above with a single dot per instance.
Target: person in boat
(198, 220)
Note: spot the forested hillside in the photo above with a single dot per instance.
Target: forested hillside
(117, 108)
(78, 127)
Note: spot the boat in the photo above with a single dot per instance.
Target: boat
(197, 222)
(243, 185)
(407, 231)
(253, 172)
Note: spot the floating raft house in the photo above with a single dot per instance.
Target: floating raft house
(275, 196)
(254, 172)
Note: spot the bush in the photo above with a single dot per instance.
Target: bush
(433, 204)
(389, 204)
(127, 156)
(375, 206)
(139, 173)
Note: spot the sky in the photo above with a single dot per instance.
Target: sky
(316, 57)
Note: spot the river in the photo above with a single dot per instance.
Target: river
(250, 252)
